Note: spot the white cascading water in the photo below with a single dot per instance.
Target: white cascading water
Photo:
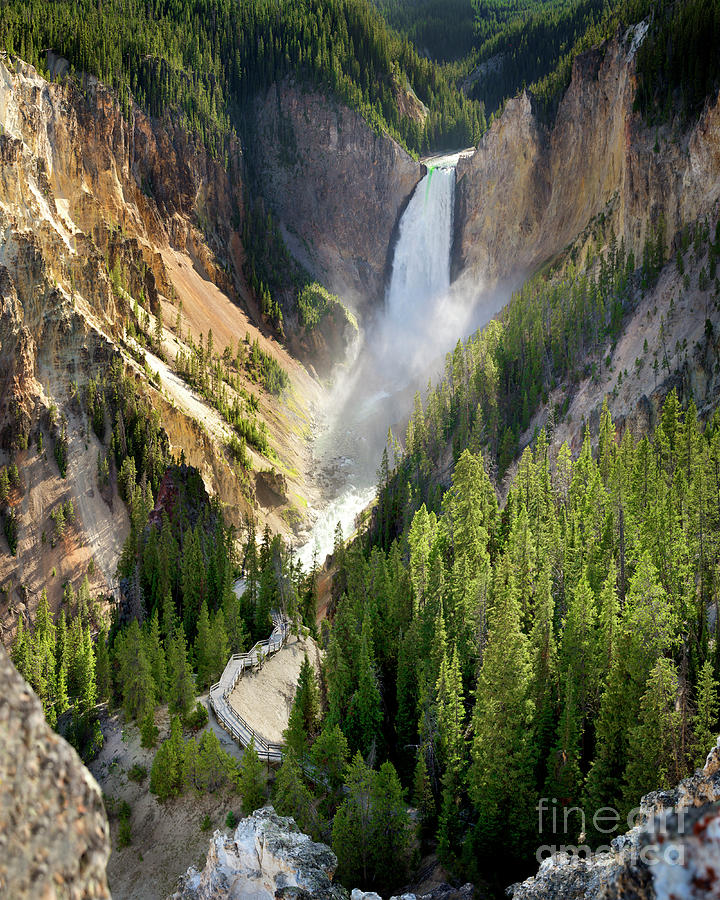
(421, 264)
(414, 329)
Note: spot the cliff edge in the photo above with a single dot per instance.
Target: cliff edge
(53, 830)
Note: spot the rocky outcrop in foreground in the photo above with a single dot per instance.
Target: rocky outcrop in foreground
(53, 829)
(268, 856)
(672, 854)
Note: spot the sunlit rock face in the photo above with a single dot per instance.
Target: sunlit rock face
(672, 854)
(531, 188)
(53, 829)
(268, 856)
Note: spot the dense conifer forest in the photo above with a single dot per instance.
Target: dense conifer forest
(481, 655)
(205, 60)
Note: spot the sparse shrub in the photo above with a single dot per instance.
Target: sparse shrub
(206, 824)
(148, 731)
(137, 773)
(4, 485)
(58, 517)
(124, 827)
(198, 718)
(10, 527)
(14, 475)
(238, 451)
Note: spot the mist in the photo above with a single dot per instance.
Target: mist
(399, 352)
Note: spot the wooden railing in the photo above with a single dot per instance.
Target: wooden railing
(229, 718)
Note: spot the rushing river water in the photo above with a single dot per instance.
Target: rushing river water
(419, 323)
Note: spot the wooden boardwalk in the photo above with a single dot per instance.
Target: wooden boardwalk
(230, 720)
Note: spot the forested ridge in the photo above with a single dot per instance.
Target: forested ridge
(204, 60)
(677, 64)
(564, 646)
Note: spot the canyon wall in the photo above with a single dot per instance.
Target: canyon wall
(101, 208)
(337, 187)
(530, 190)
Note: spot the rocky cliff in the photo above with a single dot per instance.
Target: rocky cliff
(100, 209)
(337, 187)
(530, 189)
(673, 853)
(268, 856)
(53, 829)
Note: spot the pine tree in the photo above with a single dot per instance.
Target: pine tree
(166, 774)
(250, 780)
(655, 756)
(88, 691)
(267, 600)
(295, 735)
(365, 712)
(330, 754)
(705, 722)
(451, 714)
(169, 617)
(192, 769)
(20, 649)
(292, 798)
(237, 633)
(391, 831)
(61, 692)
(371, 834)
(423, 798)
(501, 784)
(203, 648)
(307, 696)
(135, 675)
(564, 780)
(579, 648)
(650, 628)
(156, 656)
(102, 667)
(215, 764)
(544, 655)
(352, 827)
(192, 579)
(608, 623)
(220, 646)
(148, 730)
(181, 690)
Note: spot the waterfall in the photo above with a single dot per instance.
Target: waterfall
(421, 263)
(419, 323)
